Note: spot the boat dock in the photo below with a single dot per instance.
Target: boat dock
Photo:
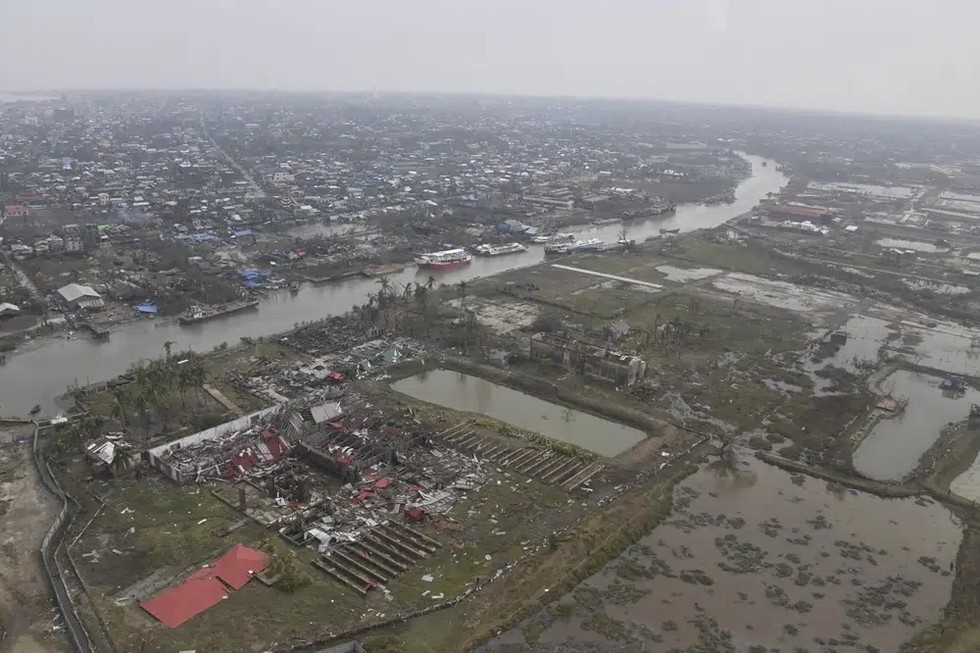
(100, 333)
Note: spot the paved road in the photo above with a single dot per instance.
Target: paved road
(256, 189)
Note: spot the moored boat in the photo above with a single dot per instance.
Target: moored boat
(203, 313)
(498, 250)
(589, 245)
(449, 258)
(559, 242)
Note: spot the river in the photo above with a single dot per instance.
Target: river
(42, 372)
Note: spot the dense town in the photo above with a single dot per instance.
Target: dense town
(417, 373)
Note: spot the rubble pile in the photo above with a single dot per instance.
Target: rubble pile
(249, 446)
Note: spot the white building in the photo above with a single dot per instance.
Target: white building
(79, 296)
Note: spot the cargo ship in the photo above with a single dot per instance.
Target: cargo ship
(449, 258)
(204, 313)
(498, 250)
(589, 245)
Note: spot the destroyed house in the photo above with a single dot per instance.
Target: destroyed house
(232, 450)
(588, 360)
(345, 450)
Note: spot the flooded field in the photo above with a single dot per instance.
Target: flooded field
(756, 559)
(475, 395)
(781, 294)
(858, 353)
(947, 347)
(895, 444)
(914, 245)
(681, 275)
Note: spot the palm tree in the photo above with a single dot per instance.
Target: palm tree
(461, 288)
(120, 406)
(140, 401)
(123, 459)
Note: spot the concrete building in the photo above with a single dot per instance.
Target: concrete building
(79, 296)
(587, 359)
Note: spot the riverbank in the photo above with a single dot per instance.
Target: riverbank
(41, 374)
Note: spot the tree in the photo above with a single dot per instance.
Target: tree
(124, 459)
(461, 289)
(121, 406)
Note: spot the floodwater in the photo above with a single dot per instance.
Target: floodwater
(475, 395)
(895, 444)
(40, 373)
(949, 347)
(682, 275)
(938, 288)
(782, 294)
(756, 556)
(915, 245)
(967, 484)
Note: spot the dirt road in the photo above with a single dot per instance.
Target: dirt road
(27, 618)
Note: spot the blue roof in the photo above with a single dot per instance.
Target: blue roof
(147, 307)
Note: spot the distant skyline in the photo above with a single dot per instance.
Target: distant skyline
(893, 57)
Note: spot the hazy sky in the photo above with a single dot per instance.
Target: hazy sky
(885, 56)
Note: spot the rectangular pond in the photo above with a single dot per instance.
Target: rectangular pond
(895, 444)
(475, 395)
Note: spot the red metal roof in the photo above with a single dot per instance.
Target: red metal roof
(197, 593)
(237, 565)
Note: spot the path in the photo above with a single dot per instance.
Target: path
(256, 189)
(636, 282)
(222, 399)
(26, 511)
(25, 280)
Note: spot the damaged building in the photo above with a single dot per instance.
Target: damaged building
(228, 450)
(587, 359)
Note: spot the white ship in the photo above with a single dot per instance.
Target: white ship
(498, 250)
(449, 258)
(589, 245)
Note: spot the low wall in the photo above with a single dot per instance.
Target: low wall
(77, 634)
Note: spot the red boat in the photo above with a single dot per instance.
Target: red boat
(449, 258)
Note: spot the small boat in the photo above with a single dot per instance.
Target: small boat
(675, 230)
(36, 409)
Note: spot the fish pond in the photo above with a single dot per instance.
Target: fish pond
(472, 394)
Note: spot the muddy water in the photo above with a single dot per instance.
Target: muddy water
(782, 294)
(946, 347)
(858, 354)
(895, 444)
(475, 395)
(762, 558)
(915, 245)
